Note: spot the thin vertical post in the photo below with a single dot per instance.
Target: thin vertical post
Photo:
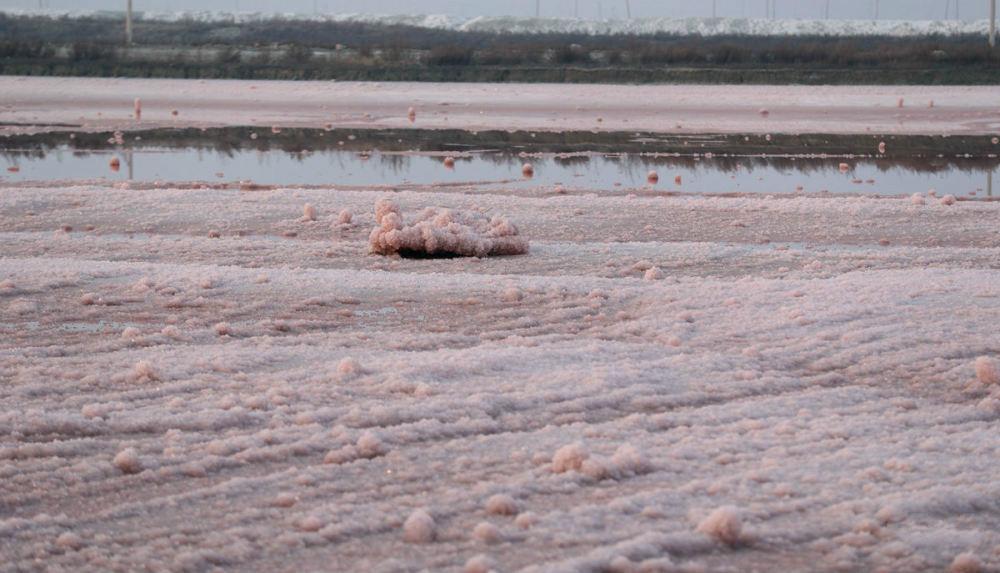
(993, 23)
(128, 22)
(628, 9)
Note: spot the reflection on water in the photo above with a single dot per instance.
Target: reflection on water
(696, 174)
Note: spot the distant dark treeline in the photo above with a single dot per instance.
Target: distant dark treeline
(282, 49)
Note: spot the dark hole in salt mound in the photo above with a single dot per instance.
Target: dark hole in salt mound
(411, 254)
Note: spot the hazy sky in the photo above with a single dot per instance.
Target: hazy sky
(854, 9)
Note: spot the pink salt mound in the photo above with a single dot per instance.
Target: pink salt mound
(443, 233)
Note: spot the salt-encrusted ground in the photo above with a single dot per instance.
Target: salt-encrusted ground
(95, 104)
(195, 379)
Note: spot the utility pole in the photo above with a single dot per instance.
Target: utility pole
(128, 22)
(993, 23)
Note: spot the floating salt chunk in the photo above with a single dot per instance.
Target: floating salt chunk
(115, 164)
(947, 200)
(652, 177)
(137, 108)
(528, 170)
(881, 147)
(449, 162)
(764, 112)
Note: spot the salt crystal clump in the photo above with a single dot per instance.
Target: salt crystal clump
(480, 564)
(723, 524)
(284, 499)
(369, 445)
(419, 527)
(222, 329)
(501, 504)
(348, 367)
(131, 333)
(486, 532)
(69, 540)
(137, 107)
(526, 520)
(653, 274)
(345, 217)
(311, 523)
(844, 168)
(449, 162)
(144, 372)
(881, 147)
(987, 371)
(570, 457)
(652, 177)
(528, 170)
(127, 461)
(966, 563)
(948, 200)
(918, 199)
(444, 232)
(308, 212)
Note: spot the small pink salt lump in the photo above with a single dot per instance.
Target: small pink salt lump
(948, 200)
(480, 564)
(966, 563)
(486, 532)
(900, 103)
(311, 523)
(137, 106)
(115, 164)
(345, 217)
(570, 457)
(652, 177)
(308, 212)
(996, 140)
(528, 170)
(501, 504)
(678, 180)
(881, 147)
(419, 527)
(844, 168)
(127, 461)
(449, 162)
(412, 114)
(917, 199)
(723, 524)
(987, 371)
(348, 367)
(764, 112)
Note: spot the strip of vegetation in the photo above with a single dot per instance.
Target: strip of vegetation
(931, 152)
(301, 50)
